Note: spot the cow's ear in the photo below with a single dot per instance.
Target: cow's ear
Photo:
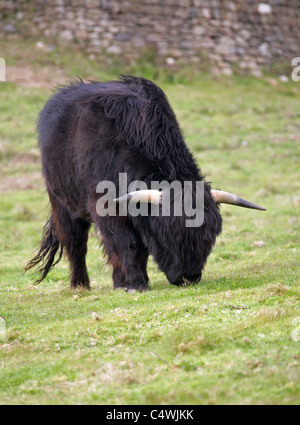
(222, 197)
(145, 196)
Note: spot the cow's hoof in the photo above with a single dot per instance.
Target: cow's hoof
(136, 290)
(80, 286)
(145, 289)
(132, 291)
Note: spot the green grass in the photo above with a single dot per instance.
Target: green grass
(232, 339)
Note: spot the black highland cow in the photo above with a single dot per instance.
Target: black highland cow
(91, 132)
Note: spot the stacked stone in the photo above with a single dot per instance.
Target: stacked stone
(249, 33)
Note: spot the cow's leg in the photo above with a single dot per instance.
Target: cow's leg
(143, 261)
(137, 276)
(73, 235)
(126, 253)
(119, 278)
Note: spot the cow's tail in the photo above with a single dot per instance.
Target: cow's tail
(47, 252)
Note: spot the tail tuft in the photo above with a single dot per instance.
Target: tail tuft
(47, 251)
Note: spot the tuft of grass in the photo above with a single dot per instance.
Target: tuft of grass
(232, 339)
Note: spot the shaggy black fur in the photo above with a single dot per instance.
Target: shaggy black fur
(92, 132)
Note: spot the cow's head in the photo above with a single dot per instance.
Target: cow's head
(180, 251)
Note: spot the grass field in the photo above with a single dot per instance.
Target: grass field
(233, 338)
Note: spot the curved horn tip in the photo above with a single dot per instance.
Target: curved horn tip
(246, 204)
(123, 198)
(222, 197)
(147, 196)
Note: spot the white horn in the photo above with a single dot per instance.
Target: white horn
(146, 196)
(222, 197)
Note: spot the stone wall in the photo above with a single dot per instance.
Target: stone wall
(249, 33)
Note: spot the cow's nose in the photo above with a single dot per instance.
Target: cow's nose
(185, 281)
(179, 281)
(191, 279)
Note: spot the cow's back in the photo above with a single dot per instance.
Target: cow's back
(92, 132)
